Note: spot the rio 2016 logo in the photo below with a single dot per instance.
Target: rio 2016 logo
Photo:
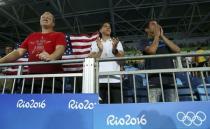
(127, 120)
(191, 118)
(31, 104)
(85, 105)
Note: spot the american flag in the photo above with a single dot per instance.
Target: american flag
(78, 46)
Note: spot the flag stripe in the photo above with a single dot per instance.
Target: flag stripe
(83, 41)
(81, 53)
(81, 47)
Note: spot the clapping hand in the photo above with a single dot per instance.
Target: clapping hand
(99, 44)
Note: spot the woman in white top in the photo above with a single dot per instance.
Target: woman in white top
(105, 47)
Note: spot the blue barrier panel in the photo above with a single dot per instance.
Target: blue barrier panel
(183, 115)
(47, 111)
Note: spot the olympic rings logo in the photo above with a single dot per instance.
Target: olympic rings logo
(191, 118)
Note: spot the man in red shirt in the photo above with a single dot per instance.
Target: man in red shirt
(41, 46)
(46, 45)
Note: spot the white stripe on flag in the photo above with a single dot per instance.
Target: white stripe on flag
(82, 50)
(83, 37)
(74, 56)
(82, 43)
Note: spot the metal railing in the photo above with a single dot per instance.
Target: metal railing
(40, 83)
(133, 87)
(148, 91)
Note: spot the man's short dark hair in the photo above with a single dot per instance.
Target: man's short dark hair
(148, 22)
(10, 45)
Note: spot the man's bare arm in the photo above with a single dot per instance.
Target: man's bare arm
(58, 53)
(174, 48)
(13, 56)
(151, 50)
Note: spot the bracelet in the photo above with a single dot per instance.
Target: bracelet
(115, 51)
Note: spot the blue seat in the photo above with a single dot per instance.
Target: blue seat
(128, 83)
(207, 79)
(128, 88)
(183, 77)
(196, 81)
(202, 92)
(185, 94)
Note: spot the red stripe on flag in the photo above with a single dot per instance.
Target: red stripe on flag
(81, 47)
(81, 53)
(72, 66)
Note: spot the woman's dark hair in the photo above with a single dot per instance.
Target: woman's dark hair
(100, 35)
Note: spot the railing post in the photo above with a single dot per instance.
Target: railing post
(179, 62)
(88, 84)
(20, 68)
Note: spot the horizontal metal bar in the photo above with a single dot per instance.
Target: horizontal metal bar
(156, 71)
(152, 56)
(105, 59)
(44, 75)
(42, 62)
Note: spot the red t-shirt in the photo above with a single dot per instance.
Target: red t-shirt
(38, 42)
